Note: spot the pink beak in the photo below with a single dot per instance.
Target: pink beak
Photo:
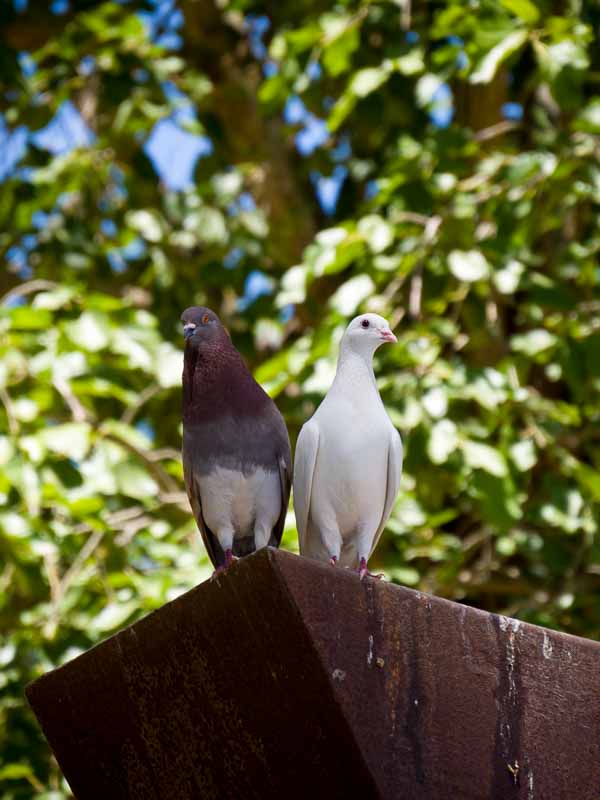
(388, 336)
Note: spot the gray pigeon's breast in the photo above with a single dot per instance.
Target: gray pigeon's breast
(242, 503)
(236, 444)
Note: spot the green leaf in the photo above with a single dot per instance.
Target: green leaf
(589, 119)
(338, 52)
(112, 616)
(29, 318)
(7, 653)
(255, 222)
(147, 223)
(568, 53)
(490, 63)
(468, 265)
(368, 80)
(90, 331)
(293, 286)
(482, 456)
(56, 298)
(410, 64)
(125, 433)
(500, 486)
(377, 232)
(341, 110)
(507, 279)
(426, 89)
(533, 342)
(12, 524)
(11, 772)
(133, 480)
(227, 185)
(506, 545)
(7, 450)
(209, 225)
(524, 9)
(351, 294)
(498, 500)
(334, 259)
(443, 441)
(590, 479)
(435, 402)
(523, 455)
(71, 440)
(404, 575)
(363, 83)
(168, 365)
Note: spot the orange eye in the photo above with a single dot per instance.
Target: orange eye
(205, 319)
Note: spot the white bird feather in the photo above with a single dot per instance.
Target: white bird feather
(348, 457)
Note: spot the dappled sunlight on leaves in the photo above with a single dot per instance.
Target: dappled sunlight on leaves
(290, 167)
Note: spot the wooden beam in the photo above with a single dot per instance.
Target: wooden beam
(290, 679)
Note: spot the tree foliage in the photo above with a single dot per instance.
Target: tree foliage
(464, 144)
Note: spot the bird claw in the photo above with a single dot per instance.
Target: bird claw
(333, 561)
(229, 559)
(364, 572)
(218, 571)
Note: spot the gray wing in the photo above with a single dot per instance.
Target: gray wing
(307, 448)
(211, 543)
(394, 472)
(285, 480)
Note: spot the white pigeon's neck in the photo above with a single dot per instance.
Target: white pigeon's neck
(355, 370)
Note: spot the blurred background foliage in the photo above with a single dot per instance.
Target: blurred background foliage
(291, 164)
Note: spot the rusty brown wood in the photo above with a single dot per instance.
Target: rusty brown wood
(290, 679)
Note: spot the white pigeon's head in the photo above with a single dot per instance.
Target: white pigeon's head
(366, 333)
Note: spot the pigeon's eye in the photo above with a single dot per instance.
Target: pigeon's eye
(365, 323)
(205, 319)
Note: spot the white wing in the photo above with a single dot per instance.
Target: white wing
(307, 447)
(394, 472)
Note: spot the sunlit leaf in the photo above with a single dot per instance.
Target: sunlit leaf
(468, 266)
(524, 9)
(71, 440)
(489, 64)
(349, 296)
(377, 232)
(443, 441)
(482, 456)
(533, 342)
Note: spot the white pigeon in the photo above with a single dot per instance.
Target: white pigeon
(348, 457)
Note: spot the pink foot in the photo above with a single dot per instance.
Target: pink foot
(333, 561)
(229, 559)
(363, 571)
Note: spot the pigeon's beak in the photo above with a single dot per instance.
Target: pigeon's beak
(387, 335)
(188, 330)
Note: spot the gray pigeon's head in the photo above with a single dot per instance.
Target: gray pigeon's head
(202, 327)
(366, 333)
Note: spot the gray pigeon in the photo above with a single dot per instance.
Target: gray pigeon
(236, 451)
(348, 457)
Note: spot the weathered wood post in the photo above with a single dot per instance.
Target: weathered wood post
(290, 679)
